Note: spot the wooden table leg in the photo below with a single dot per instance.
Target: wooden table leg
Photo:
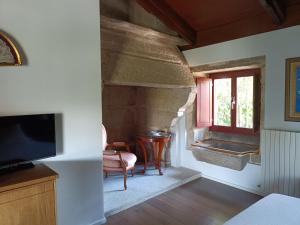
(158, 144)
(155, 148)
(160, 151)
(145, 154)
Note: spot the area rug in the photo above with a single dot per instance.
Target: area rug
(142, 187)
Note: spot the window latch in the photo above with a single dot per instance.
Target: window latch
(232, 102)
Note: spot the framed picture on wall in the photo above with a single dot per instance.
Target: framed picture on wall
(292, 89)
(9, 54)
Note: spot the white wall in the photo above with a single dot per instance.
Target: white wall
(61, 40)
(276, 46)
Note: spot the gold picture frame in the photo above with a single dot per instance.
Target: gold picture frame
(9, 54)
(292, 90)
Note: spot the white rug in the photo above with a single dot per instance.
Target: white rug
(142, 187)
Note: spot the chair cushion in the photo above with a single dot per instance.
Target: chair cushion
(113, 161)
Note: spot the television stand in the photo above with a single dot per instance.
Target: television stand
(16, 167)
(27, 197)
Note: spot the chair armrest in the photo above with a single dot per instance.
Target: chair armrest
(110, 152)
(118, 145)
(114, 152)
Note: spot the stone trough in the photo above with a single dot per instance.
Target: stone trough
(228, 154)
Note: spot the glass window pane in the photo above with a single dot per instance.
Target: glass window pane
(222, 102)
(244, 107)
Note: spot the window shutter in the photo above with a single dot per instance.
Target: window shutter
(257, 102)
(204, 102)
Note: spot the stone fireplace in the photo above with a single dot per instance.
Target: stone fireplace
(145, 80)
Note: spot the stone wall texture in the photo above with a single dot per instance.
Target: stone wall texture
(145, 78)
(131, 11)
(129, 111)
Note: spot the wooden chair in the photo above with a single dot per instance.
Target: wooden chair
(117, 161)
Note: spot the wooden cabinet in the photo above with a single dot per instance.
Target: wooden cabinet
(27, 197)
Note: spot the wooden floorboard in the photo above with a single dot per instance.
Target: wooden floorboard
(202, 202)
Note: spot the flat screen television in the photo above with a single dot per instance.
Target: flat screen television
(26, 138)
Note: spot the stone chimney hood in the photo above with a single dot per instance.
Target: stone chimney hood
(136, 56)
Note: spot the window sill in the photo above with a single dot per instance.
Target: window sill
(238, 131)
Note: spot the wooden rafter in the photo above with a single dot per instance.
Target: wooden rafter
(276, 10)
(246, 27)
(168, 16)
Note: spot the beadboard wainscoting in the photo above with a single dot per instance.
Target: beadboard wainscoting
(280, 152)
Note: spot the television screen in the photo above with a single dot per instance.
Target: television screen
(26, 138)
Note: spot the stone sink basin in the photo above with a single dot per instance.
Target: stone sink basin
(228, 154)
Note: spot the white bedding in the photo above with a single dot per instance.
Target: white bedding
(275, 209)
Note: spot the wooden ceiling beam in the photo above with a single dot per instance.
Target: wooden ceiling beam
(247, 27)
(276, 10)
(168, 16)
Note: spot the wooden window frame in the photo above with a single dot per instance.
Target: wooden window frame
(256, 101)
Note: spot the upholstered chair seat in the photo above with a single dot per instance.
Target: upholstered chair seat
(113, 161)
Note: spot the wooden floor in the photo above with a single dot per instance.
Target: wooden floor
(202, 202)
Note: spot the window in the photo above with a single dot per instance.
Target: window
(234, 102)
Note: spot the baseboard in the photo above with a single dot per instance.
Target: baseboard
(233, 185)
(99, 222)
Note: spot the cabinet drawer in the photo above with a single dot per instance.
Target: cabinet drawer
(36, 209)
(24, 192)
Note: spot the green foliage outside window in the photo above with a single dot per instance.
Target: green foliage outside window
(244, 102)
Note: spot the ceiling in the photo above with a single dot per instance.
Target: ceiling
(205, 22)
